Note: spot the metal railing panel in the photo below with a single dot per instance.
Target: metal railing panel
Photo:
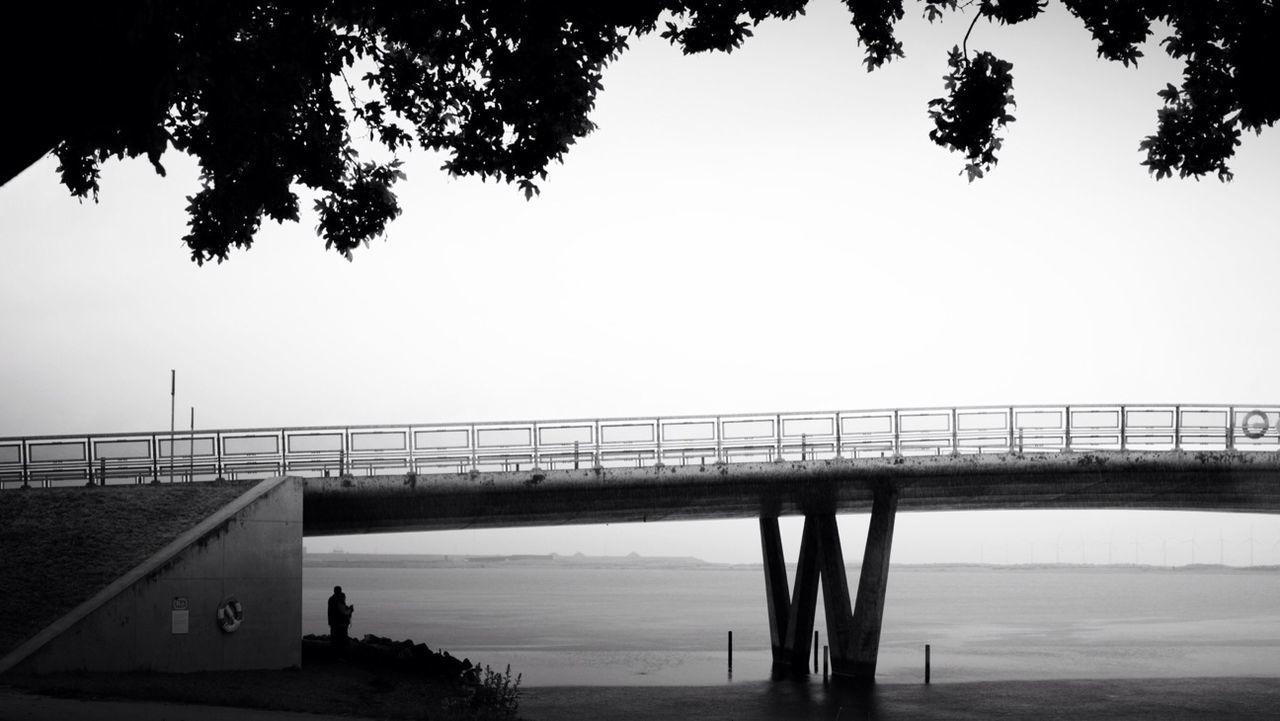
(379, 441)
(809, 426)
(436, 439)
(57, 451)
(557, 435)
(623, 433)
(257, 444)
(749, 429)
(503, 436)
(437, 448)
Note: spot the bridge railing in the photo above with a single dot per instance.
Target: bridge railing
(67, 460)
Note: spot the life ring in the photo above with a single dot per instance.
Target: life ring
(230, 614)
(1254, 431)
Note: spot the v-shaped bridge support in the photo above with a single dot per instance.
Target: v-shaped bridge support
(854, 633)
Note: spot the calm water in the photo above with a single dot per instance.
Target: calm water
(584, 626)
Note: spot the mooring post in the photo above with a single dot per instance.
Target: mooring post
(926, 664)
(731, 652)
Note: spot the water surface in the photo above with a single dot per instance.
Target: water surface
(561, 625)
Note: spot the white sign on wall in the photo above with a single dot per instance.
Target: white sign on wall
(181, 620)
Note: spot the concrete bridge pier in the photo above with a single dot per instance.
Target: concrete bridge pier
(859, 650)
(853, 632)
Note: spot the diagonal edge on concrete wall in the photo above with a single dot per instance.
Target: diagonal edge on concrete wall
(196, 533)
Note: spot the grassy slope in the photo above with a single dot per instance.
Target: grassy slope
(351, 684)
(59, 546)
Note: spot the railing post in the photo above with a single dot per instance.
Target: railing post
(597, 458)
(191, 449)
(88, 456)
(839, 450)
(575, 455)
(537, 463)
(719, 439)
(217, 440)
(102, 472)
(1066, 432)
(474, 442)
(657, 434)
(1011, 431)
(777, 434)
(897, 436)
(1124, 441)
(1177, 428)
(955, 432)
(804, 447)
(409, 439)
(1231, 428)
(155, 459)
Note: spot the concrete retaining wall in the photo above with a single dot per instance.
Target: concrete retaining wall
(162, 616)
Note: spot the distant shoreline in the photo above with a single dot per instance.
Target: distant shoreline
(637, 562)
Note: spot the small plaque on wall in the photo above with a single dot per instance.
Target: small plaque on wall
(181, 621)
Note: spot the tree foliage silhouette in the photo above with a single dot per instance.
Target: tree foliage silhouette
(268, 96)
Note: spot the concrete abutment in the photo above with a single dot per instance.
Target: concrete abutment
(175, 613)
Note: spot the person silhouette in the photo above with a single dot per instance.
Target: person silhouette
(339, 618)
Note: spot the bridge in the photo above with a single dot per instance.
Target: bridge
(364, 479)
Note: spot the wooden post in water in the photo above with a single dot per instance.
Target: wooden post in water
(825, 663)
(926, 664)
(815, 651)
(731, 652)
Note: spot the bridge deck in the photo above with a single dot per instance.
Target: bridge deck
(1164, 480)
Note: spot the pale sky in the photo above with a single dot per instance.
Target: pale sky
(770, 230)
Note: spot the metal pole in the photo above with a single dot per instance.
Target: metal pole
(731, 652)
(191, 448)
(173, 391)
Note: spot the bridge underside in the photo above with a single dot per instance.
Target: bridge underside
(818, 490)
(1210, 481)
